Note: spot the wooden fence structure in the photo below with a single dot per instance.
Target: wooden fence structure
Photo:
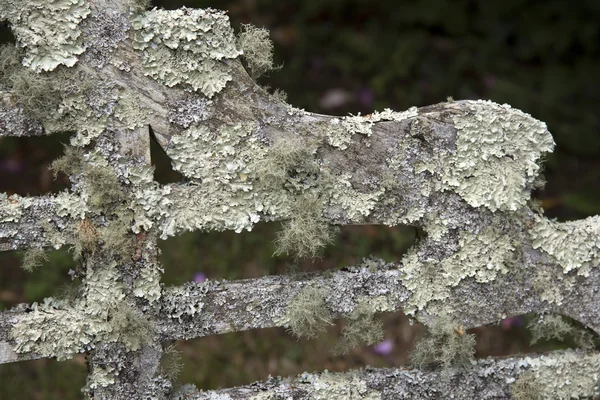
(114, 73)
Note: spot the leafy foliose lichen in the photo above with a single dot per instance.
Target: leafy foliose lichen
(53, 330)
(328, 386)
(480, 255)
(572, 376)
(341, 130)
(186, 46)
(575, 245)
(11, 207)
(497, 150)
(47, 29)
(128, 110)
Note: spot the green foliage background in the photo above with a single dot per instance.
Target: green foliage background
(541, 57)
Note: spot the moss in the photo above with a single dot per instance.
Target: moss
(307, 232)
(362, 328)
(257, 48)
(526, 388)
(445, 344)
(308, 314)
(33, 258)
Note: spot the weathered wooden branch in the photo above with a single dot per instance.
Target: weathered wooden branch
(461, 172)
(490, 378)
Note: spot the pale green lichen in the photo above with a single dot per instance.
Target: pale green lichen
(71, 204)
(129, 111)
(70, 163)
(346, 386)
(480, 255)
(100, 376)
(47, 29)
(257, 48)
(548, 327)
(170, 362)
(355, 205)
(33, 258)
(307, 232)
(545, 283)
(526, 388)
(147, 284)
(497, 151)
(11, 207)
(307, 315)
(186, 46)
(103, 289)
(362, 328)
(227, 197)
(574, 245)
(128, 326)
(571, 376)
(341, 130)
(54, 331)
(446, 344)
(61, 329)
(215, 156)
(75, 114)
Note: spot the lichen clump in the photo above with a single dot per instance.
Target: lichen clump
(362, 328)
(308, 314)
(47, 29)
(446, 344)
(575, 245)
(186, 46)
(497, 150)
(257, 48)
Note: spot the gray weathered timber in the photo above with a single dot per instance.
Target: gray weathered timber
(485, 379)
(462, 172)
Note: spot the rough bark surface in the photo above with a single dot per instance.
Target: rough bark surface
(461, 172)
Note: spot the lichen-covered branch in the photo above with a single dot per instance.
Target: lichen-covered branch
(558, 375)
(461, 172)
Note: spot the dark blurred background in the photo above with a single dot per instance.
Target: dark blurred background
(341, 57)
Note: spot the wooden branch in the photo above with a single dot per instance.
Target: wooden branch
(557, 375)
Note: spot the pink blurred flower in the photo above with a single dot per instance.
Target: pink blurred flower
(384, 348)
(199, 277)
